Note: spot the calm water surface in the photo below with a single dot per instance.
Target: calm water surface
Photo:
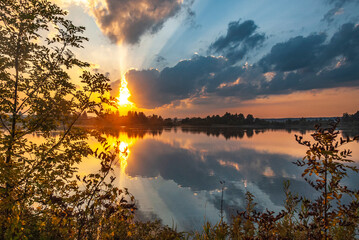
(175, 174)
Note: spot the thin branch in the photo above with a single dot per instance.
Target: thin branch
(46, 76)
(57, 144)
(94, 190)
(69, 128)
(4, 125)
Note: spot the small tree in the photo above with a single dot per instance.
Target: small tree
(249, 119)
(39, 195)
(329, 165)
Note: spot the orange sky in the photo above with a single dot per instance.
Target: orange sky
(314, 103)
(325, 103)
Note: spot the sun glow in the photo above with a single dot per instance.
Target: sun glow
(125, 143)
(123, 147)
(124, 154)
(124, 95)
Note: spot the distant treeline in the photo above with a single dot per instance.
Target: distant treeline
(250, 121)
(350, 117)
(226, 119)
(134, 118)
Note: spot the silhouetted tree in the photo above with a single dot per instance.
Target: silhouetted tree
(39, 195)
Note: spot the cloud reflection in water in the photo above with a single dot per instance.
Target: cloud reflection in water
(176, 174)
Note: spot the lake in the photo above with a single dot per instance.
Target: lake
(175, 173)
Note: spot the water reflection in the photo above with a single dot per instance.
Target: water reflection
(124, 142)
(133, 133)
(175, 173)
(226, 132)
(350, 132)
(200, 170)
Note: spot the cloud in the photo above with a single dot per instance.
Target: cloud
(115, 87)
(144, 88)
(239, 39)
(128, 20)
(191, 15)
(345, 42)
(310, 63)
(296, 53)
(152, 88)
(159, 61)
(337, 9)
(300, 63)
(303, 63)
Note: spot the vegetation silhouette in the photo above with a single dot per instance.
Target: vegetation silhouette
(41, 194)
(113, 119)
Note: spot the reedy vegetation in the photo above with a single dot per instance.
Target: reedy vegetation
(43, 197)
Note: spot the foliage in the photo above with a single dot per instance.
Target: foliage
(151, 230)
(40, 197)
(329, 165)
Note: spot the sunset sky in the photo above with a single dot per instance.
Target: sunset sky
(201, 57)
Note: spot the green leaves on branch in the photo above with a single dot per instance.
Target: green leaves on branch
(40, 196)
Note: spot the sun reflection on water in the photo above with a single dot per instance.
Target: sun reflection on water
(124, 154)
(125, 143)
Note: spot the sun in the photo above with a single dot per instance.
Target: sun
(124, 95)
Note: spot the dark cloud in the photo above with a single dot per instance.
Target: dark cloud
(337, 9)
(296, 53)
(301, 63)
(144, 88)
(151, 88)
(312, 53)
(159, 61)
(115, 86)
(239, 39)
(344, 43)
(310, 63)
(128, 20)
(191, 15)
